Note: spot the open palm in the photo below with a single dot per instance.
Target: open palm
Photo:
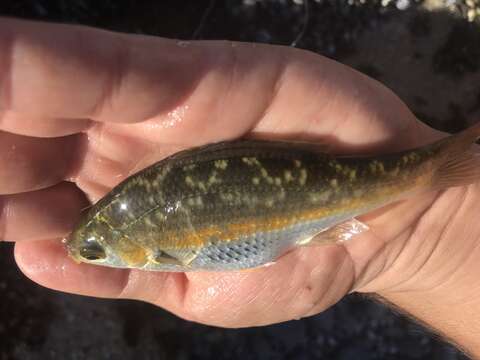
(83, 109)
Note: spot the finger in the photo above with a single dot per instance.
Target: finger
(47, 263)
(349, 111)
(78, 72)
(29, 163)
(39, 126)
(111, 157)
(302, 282)
(42, 214)
(179, 89)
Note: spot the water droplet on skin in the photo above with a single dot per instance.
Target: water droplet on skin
(211, 291)
(269, 264)
(175, 117)
(11, 152)
(182, 43)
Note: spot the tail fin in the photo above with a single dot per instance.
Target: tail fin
(459, 162)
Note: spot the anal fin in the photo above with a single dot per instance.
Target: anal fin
(336, 234)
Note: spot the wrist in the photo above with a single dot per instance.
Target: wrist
(435, 276)
(453, 313)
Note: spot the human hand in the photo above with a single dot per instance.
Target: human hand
(91, 107)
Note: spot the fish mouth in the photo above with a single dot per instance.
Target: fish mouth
(72, 253)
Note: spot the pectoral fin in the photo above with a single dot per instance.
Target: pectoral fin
(175, 257)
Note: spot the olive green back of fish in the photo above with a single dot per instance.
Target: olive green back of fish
(251, 181)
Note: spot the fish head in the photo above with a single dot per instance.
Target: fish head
(95, 242)
(87, 242)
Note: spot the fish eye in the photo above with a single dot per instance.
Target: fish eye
(92, 251)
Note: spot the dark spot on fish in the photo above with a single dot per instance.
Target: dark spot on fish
(215, 257)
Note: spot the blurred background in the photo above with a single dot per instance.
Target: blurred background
(427, 52)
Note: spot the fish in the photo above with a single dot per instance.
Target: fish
(244, 203)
